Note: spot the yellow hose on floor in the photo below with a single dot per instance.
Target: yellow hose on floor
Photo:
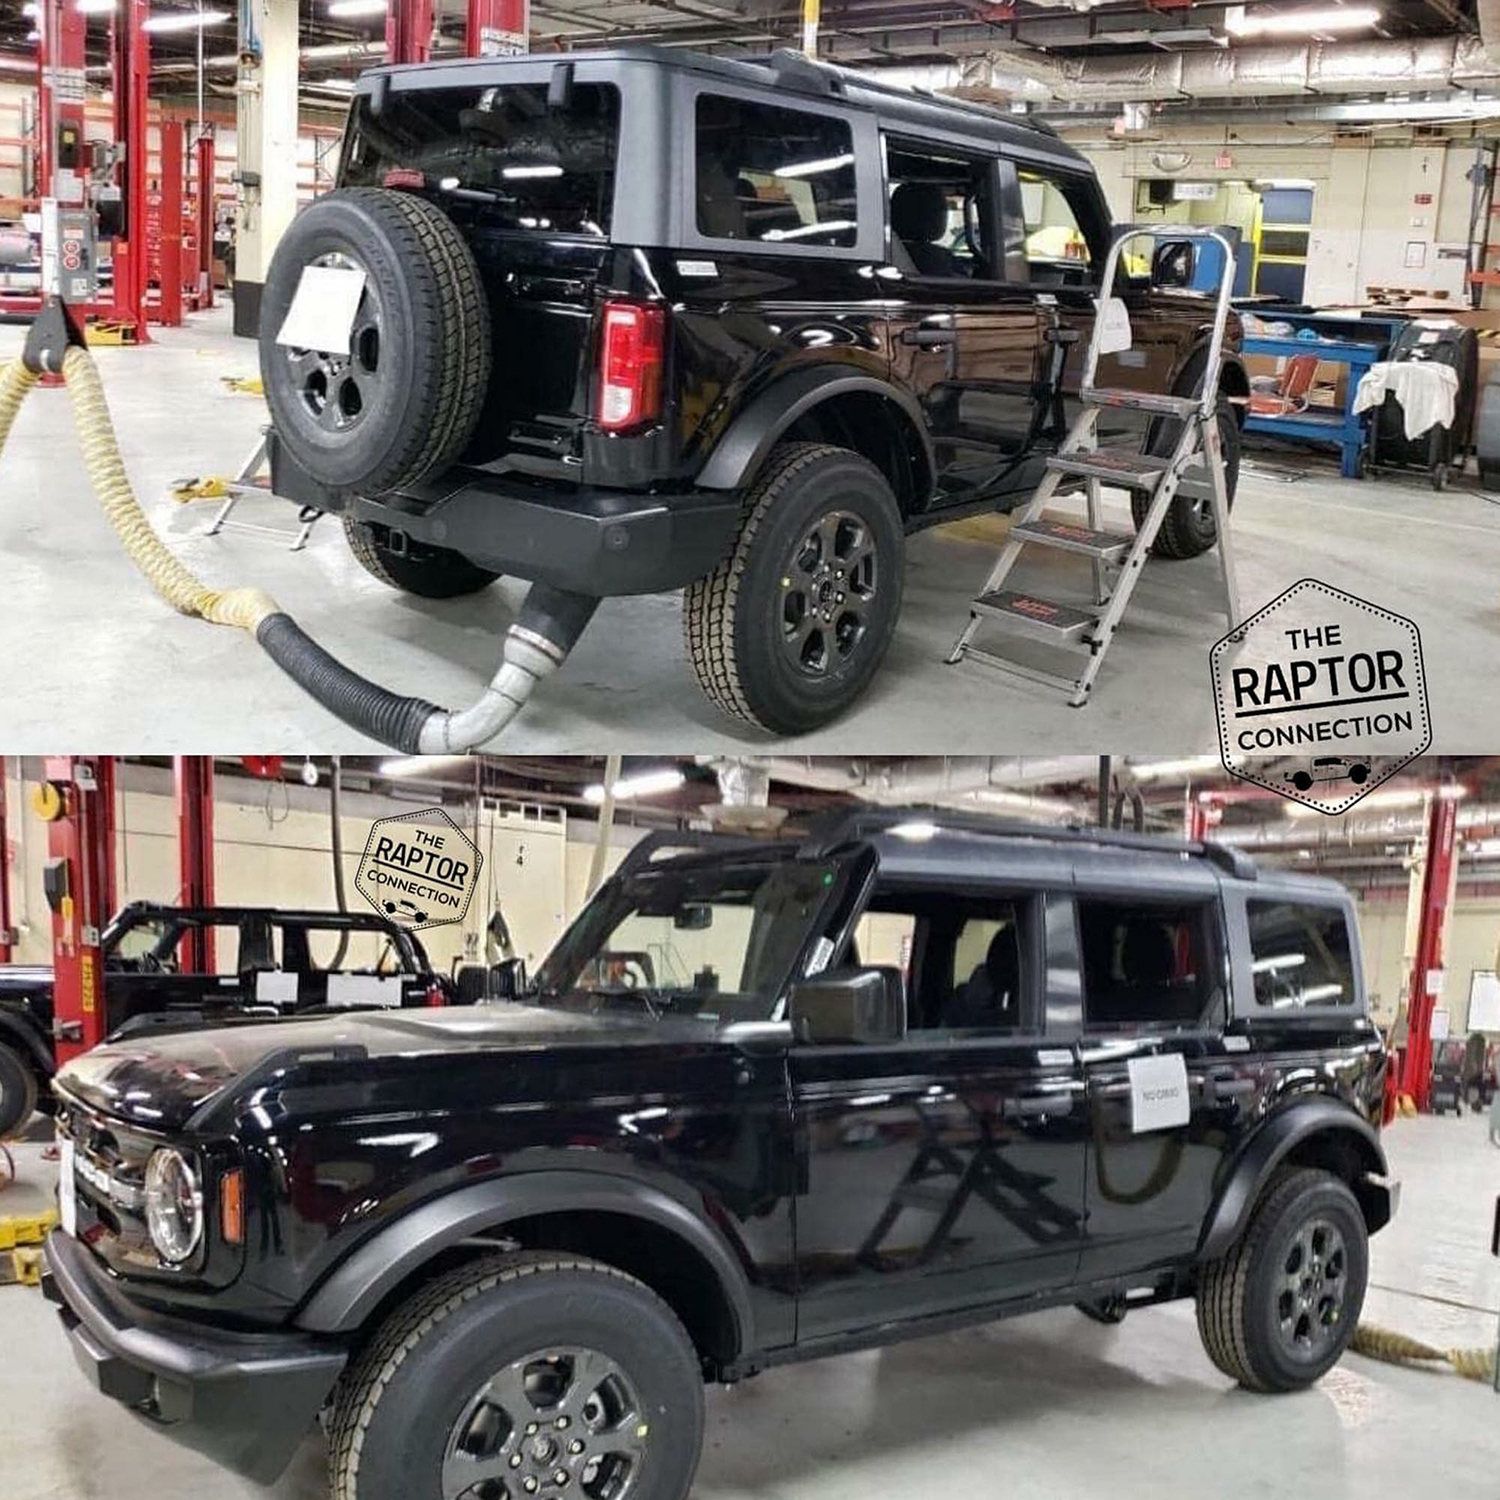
(15, 382)
(1397, 1349)
(186, 593)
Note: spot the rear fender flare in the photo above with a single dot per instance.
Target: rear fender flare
(752, 434)
(1289, 1127)
(357, 1285)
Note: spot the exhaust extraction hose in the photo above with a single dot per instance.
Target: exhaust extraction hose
(550, 621)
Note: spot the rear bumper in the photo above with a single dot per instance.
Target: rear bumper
(590, 541)
(244, 1400)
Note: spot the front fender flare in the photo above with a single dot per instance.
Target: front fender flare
(359, 1283)
(752, 434)
(1267, 1149)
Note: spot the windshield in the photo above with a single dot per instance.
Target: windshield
(712, 940)
(502, 150)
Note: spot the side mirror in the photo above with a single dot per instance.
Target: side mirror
(851, 1005)
(508, 979)
(1173, 263)
(695, 916)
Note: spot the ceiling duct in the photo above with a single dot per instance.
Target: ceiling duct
(1352, 829)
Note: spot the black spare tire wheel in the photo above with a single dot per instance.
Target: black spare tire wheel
(404, 400)
(17, 1092)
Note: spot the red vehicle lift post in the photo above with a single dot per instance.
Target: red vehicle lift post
(168, 257)
(497, 27)
(6, 936)
(203, 182)
(1432, 928)
(77, 800)
(408, 31)
(194, 776)
(130, 71)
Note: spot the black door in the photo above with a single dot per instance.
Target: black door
(963, 341)
(944, 1171)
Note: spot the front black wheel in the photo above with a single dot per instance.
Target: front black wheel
(17, 1092)
(429, 572)
(1189, 528)
(521, 1375)
(791, 626)
(1279, 1309)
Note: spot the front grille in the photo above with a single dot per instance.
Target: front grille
(109, 1178)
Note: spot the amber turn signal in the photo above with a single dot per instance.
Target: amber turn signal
(232, 1207)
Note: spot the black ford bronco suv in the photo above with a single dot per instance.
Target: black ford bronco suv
(763, 1102)
(265, 963)
(642, 320)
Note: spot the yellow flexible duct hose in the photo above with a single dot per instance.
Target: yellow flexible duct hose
(1396, 1348)
(15, 381)
(243, 607)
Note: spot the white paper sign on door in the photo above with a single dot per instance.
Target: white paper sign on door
(1158, 1092)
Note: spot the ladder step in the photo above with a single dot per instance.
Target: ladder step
(1123, 466)
(1157, 405)
(1043, 617)
(1070, 536)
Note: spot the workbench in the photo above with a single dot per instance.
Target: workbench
(1349, 431)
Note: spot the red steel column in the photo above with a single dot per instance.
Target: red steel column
(497, 28)
(195, 852)
(81, 843)
(5, 927)
(169, 251)
(130, 70)
(60, 54)
(1432, 929)
(203, 162)
(408, 31)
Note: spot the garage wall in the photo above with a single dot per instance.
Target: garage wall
(1365, 208)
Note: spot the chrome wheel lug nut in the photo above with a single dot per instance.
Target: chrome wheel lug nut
(530, 1428)
(560, 1477)
(561, 1423)
(515, 1460)
(576, 1446)
(529, 1485)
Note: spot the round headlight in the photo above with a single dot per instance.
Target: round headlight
(174, 1205)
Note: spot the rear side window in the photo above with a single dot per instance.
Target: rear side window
(1147, 963)
(771, 175)
(1299, 955)
(497, 154)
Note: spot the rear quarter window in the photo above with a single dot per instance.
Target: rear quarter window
(772, 175)
(1300, 956)
(497, 153)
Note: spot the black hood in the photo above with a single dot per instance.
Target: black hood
(162, 1081)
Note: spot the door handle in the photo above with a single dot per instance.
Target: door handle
(928, 338)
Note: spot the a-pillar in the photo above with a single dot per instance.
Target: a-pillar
(195, 854)
(266, 121)
(1432, 888)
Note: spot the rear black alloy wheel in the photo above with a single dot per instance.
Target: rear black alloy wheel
(17, 1092)
(339, 390)
(555, 1420)
(792, 625)
(532, 1375)
(1280, 1308)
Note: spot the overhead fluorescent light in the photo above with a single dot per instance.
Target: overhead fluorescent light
(184, 20)
(342, 10)
(1284, 182)
(94, 7)
(641, 784)
(813, 168)
(31, 10)
(420, 765)
(541, 169)
(918, 831)
(1237, 22)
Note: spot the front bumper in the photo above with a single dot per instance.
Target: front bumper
(599, 542)
(245, 1400)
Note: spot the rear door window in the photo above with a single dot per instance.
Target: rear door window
(1299, 955)
(499, 154)
(773, 175)
(1148, 964)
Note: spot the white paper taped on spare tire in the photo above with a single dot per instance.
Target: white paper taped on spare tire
(1158, 1092)
(1114, 325)
(321, 316)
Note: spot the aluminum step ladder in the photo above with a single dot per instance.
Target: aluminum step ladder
(1116, 558)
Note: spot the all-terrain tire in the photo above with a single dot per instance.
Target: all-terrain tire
(428, 365)
(1237, 1295)
(17, 1091)
(430, 572)
(402, 1396)
(1189, 529)
(733, 620)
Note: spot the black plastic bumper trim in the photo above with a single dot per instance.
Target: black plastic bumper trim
(243, 1399)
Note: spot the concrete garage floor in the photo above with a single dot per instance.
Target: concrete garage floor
(1042, 1408)
(93, 657)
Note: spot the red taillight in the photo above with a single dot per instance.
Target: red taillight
(1390, 1104)
(404, 177)
(436, 995)
(632, 342)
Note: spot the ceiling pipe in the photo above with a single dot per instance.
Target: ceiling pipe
(1351, 829)
(920, 780)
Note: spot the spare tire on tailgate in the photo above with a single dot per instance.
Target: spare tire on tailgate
(405, 399)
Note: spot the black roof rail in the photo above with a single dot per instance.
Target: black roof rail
(841, 827)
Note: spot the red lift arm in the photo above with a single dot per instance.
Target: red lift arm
(78, 802)
(5, 927)
(1437, 883)
(195, 849)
